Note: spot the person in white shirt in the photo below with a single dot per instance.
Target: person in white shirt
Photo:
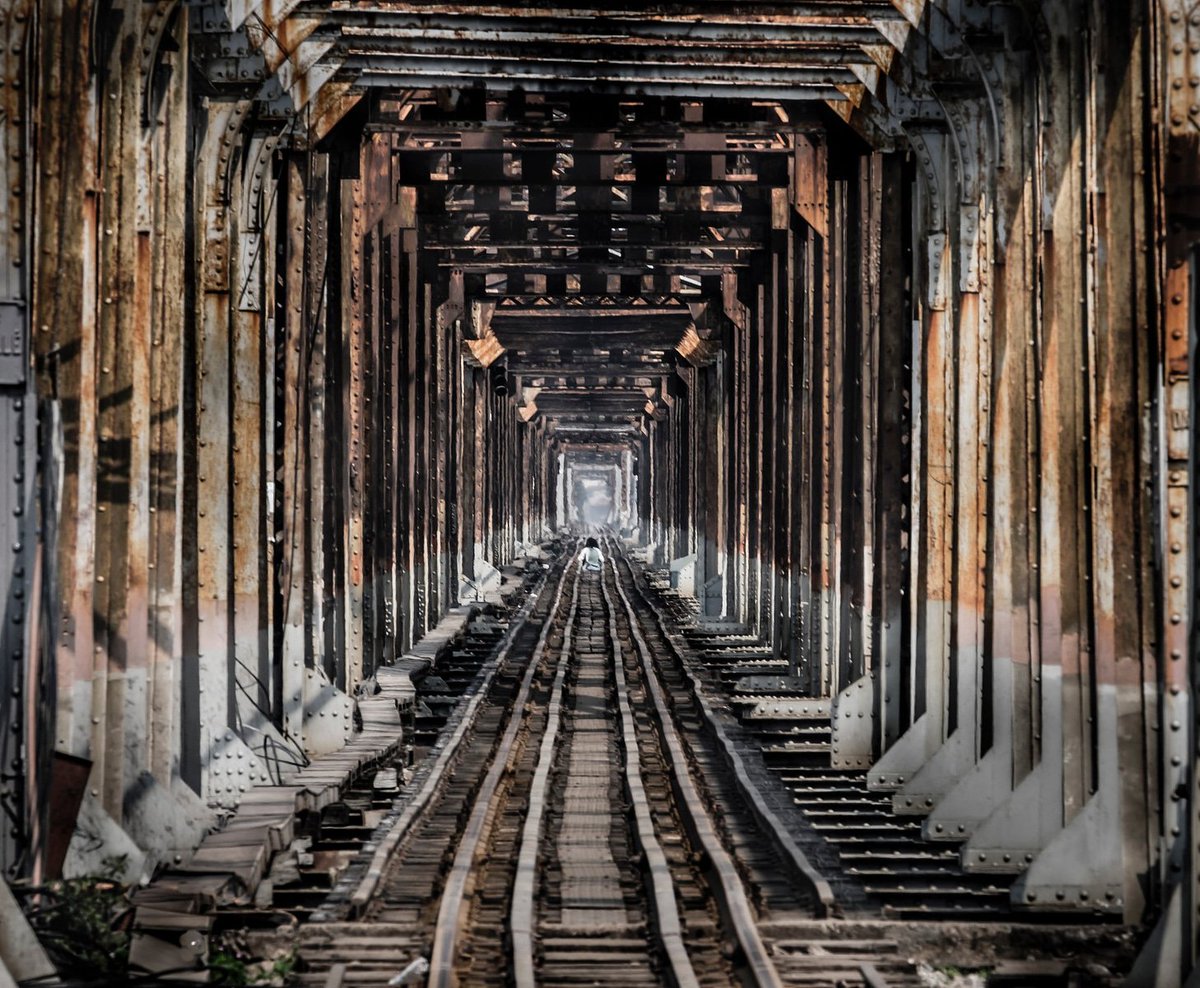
(591, 557)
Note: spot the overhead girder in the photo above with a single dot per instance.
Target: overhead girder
(848, 24)
(616, 334)
(279, 60)
(669, 131)
(617, 344)
(286, 56)
(567, 266)
(763, 167)
(692, 65)
(534, 385)
(588, 404)
(591, 434)
(551, 52)
(370, 71)
(537, 367)
(573, 231)
(621, 253)
(581, 319)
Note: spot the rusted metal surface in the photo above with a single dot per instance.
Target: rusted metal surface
(291, 523)
(24, 740)
(906, 389)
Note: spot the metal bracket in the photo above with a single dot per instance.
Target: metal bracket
(781, 708)
(939, 272)
(231, 770)
(1088, 847)
(937, 776)
(14, 357)
(853, 725)
(328, 715)
(971, 246)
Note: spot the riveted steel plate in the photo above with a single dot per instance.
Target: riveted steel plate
(13, 358)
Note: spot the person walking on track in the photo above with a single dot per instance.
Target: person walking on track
(591, 557)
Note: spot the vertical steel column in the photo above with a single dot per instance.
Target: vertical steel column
(756, 587)
(410, 355)
(827, 402)
(123, 353)
(1177, 47)
(1009, 726)
(366, 391)
(22, 742)
(856, 718)
(808, 665)
(1028, 827)
(442, 451)
(736, 497)
(888, 432)
(782, 478)
(260, 403)
(1172, 62)
(451, 427)
(253, 435)
(291, 482)
(694, 453)
(712, 380)
(321, 644)
(220, 750)
(390, 529)
(353, 229)
(171, 128)
(1122, 553)
(772, 471)
(472, 467)
(64, 347)
(792, 503)
(479, 449)
(934, 469)
(421, 361)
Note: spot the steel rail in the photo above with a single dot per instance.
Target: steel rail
(729, 890)
(521, 913)
(665, 905)
(450, 911)
(414, 810)
(784, 842)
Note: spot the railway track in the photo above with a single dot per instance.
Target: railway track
(564, 833)
(592, 813)
(588, 842)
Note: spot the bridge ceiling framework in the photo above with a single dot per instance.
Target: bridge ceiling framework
(880, 316)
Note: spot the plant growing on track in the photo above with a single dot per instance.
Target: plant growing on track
(81, 922)
(233, 964)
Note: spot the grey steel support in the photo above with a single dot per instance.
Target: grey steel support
(291, 481)
(934, 475)
(889, 429)
(711, 381)
(805, 615)
(24, 648)
(252, 403)
(353, 234)
(22, 779)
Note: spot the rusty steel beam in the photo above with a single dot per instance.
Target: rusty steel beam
(26, 639)
(168, 293)
(816, 24)
(291, 480)
(924, 421)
